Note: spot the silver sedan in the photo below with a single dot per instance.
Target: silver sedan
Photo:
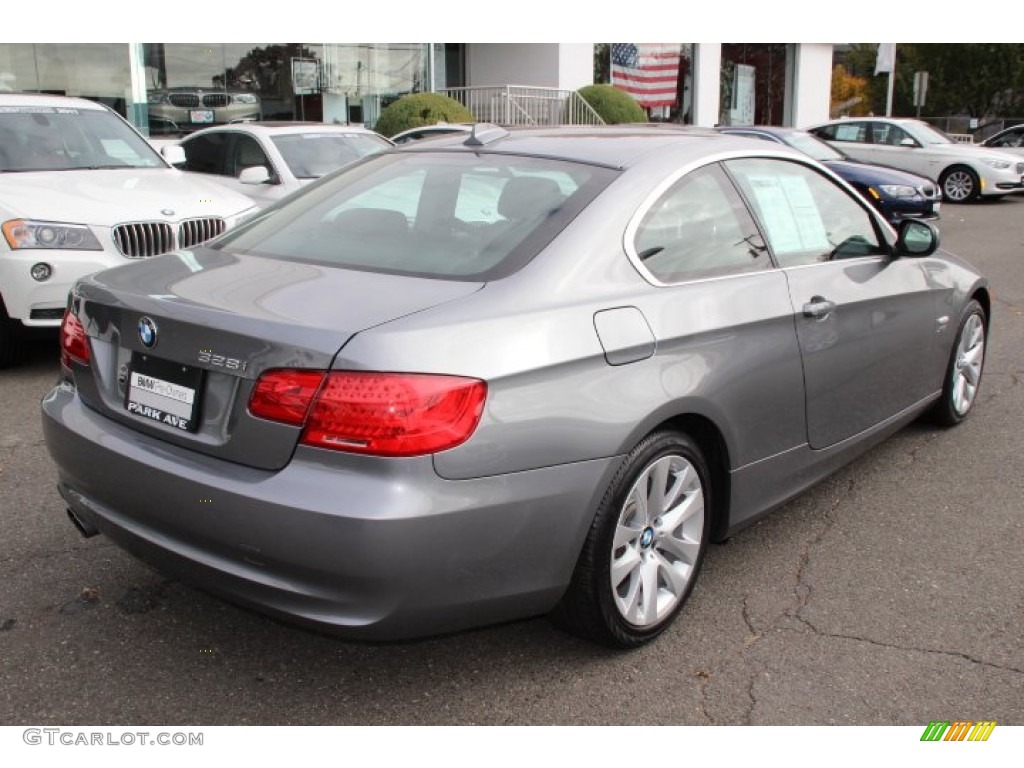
(503, 374)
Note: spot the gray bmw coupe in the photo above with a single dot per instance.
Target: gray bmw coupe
(503, 374)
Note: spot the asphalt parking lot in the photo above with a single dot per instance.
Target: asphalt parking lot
(890, 594)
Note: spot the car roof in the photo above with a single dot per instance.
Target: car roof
(284, 126)
(21, 99)
(592, 144)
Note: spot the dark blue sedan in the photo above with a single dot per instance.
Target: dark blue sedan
(896, 194)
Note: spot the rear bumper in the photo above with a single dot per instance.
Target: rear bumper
(361, 547)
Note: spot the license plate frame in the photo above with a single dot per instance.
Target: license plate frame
(163, 391)
(203, 116)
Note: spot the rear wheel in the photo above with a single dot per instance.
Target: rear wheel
(645, 546)
(963, 373)
(960, 184)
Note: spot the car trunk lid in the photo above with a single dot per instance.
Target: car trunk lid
(177, 342)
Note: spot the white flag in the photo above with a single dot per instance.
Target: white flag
(886, 59)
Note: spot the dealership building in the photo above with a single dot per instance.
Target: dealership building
(163, 88)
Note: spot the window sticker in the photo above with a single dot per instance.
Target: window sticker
(789, 213)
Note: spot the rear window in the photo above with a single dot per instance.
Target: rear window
(459, 216)
(312, 155)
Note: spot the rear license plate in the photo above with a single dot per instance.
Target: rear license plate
(163, 391)
(201, 115)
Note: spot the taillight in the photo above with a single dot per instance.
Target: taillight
(285, 395)
(383, 414)
(74, 345)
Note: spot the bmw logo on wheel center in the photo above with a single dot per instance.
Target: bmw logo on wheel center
(147, 332)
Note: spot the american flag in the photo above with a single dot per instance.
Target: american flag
(649, 72)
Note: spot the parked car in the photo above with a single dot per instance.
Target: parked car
(80, 191)
(964, 171)
(267, 161)
(190, 108)
(896, 194)
(430, 131)
(381, 409)
(1009, 140)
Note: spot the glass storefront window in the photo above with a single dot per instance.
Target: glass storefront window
(753, 84)
(97, 71)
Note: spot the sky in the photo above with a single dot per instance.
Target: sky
(490, 21)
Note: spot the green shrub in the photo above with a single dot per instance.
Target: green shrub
(613, 105)
(420, 109)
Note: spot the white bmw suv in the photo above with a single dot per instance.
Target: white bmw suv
(964, 172)
(80, 191)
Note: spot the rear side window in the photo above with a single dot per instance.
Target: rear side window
(699, 228)
(454, 215)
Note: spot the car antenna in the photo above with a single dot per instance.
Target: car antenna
(485, 133)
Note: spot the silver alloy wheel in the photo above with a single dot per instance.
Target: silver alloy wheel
(657, 541)
(970, 357)
(959, 185)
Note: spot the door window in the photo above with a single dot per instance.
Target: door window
(205, 154)
(806, 217)
(887, 133)
(247, 154)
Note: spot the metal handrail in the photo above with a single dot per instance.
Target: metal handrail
(524, 105)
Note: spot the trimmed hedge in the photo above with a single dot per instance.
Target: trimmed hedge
(420, 109)
(613, 105)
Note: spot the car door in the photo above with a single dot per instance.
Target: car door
(864, 321)
(889, 147)
(245, 151)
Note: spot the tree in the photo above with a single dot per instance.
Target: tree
(851, 94)
(976, 79)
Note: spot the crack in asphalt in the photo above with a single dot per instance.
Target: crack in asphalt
(906, 648)
(802, 588)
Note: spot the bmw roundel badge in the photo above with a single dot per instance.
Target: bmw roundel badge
(147, 332)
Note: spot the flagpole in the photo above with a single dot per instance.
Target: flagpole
(892, 73)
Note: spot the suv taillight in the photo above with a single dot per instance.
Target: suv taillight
(74, 345)
(383, 414)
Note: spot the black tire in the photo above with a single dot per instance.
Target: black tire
(12, 342)
(963, 372)
(669, 554)
(960, 184)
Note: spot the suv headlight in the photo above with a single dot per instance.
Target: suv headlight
(156, 98)
(898, 190)
(25, 233)
(246, 98)
(999, 165)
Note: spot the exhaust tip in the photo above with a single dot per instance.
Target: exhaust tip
(87, 529)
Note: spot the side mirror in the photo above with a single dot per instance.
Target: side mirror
(916, 238)
(908, 143)
(256, 174)
(174, 154)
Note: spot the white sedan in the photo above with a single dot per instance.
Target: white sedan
(964, 171)
(267, 161)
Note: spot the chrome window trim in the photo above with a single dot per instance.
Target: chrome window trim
(629, 236)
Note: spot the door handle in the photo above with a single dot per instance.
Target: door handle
(819, 308)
